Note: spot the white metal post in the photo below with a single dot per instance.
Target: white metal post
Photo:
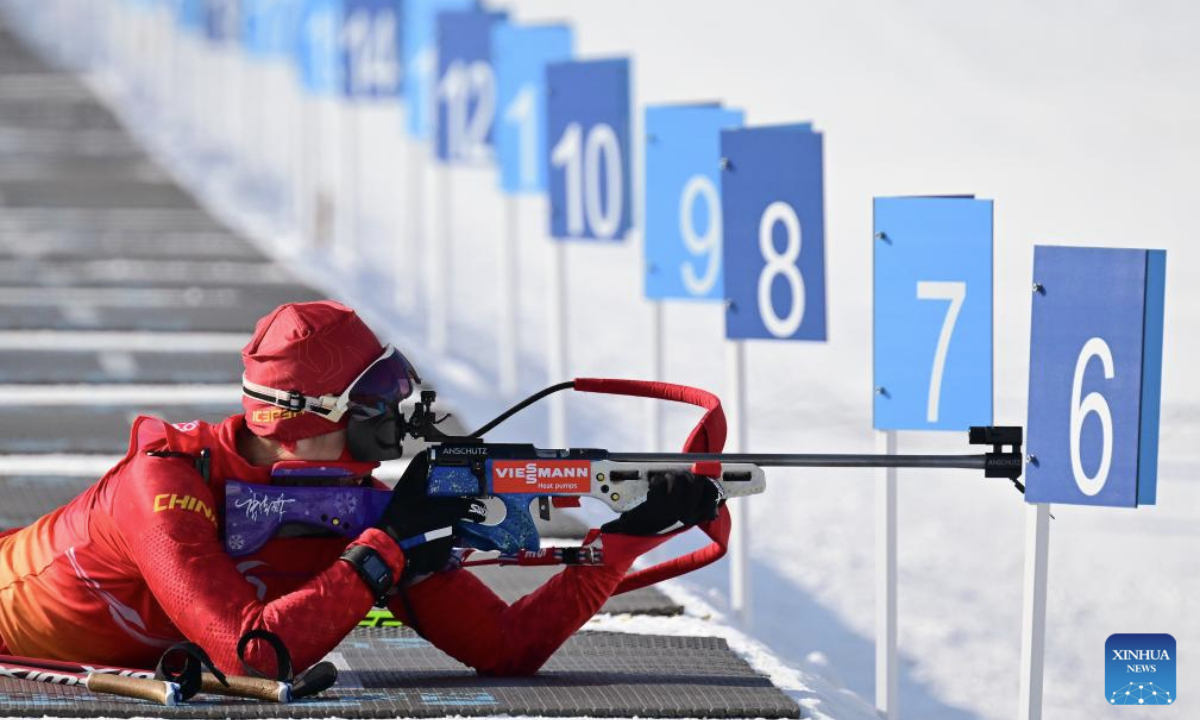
(1033, 615)
(740, 591)
(557, 361)
(307, 169)
(413, 243)
(887, 679)
(439, 256)
(346, 194)
(506, 334)
(654, 407)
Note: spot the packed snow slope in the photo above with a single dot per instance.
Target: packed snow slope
(1077, 120)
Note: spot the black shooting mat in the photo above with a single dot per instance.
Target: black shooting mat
(178, 309)
(21, 240)
(104, 429)
(83, 192)
(394, 673)
(90, 429)
(125, 272)
(114, 367)
(24, 499)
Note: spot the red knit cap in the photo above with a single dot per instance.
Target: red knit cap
(316, 348)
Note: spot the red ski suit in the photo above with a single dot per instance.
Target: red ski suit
(136, 563)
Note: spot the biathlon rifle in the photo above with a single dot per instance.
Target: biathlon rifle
(514, 477)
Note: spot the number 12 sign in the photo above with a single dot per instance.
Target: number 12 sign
(1095, 368)
(773, 208)
(933, 313)
(466, 91)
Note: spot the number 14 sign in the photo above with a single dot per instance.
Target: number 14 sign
(1095, 365)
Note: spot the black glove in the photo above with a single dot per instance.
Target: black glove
(675, 496)
(411, 512)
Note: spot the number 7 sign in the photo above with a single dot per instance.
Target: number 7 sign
(933, 313)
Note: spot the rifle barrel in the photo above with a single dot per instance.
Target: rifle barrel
(966, 462)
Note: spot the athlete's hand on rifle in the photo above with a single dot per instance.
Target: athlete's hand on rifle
(411, 513)
(676, 499)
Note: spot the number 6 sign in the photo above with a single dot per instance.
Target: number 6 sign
(1095, 365)
(773, 208)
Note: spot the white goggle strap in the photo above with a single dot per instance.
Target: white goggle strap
(325, 406)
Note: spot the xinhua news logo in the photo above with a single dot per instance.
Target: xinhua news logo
(1139, 669)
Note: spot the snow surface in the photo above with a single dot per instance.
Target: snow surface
(1076, 119)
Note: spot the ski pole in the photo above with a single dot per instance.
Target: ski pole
(156, 691)
(238, 686)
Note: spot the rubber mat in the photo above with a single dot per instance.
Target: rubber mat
(39, 143)
(106, 219)
(104, 429)
(89, 429)
(78, 243)
(25, 499)
(91, 192)
(79, 115)
(21, 169)
(179, 309)
(130, 272)
(50, 367)
(393, 673)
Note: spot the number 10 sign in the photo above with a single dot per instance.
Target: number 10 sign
(1095, 364)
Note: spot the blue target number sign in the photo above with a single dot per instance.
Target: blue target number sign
(683, 200)
(1095, 367)
(521, 54)
(466, 89)
(370, 49)
(419, 48)
(933, 313)
(191, 16)
(318, 48)
(221, 24)
(773, 208)
(269, 27)
(587, 126)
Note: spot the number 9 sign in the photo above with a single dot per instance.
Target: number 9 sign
(773, 207)
(683, 201)
(1095, 366)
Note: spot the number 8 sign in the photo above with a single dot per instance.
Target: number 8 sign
(1095, 365)
(773, 210)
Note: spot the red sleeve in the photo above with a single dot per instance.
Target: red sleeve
(169, 520)
(460, 615)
